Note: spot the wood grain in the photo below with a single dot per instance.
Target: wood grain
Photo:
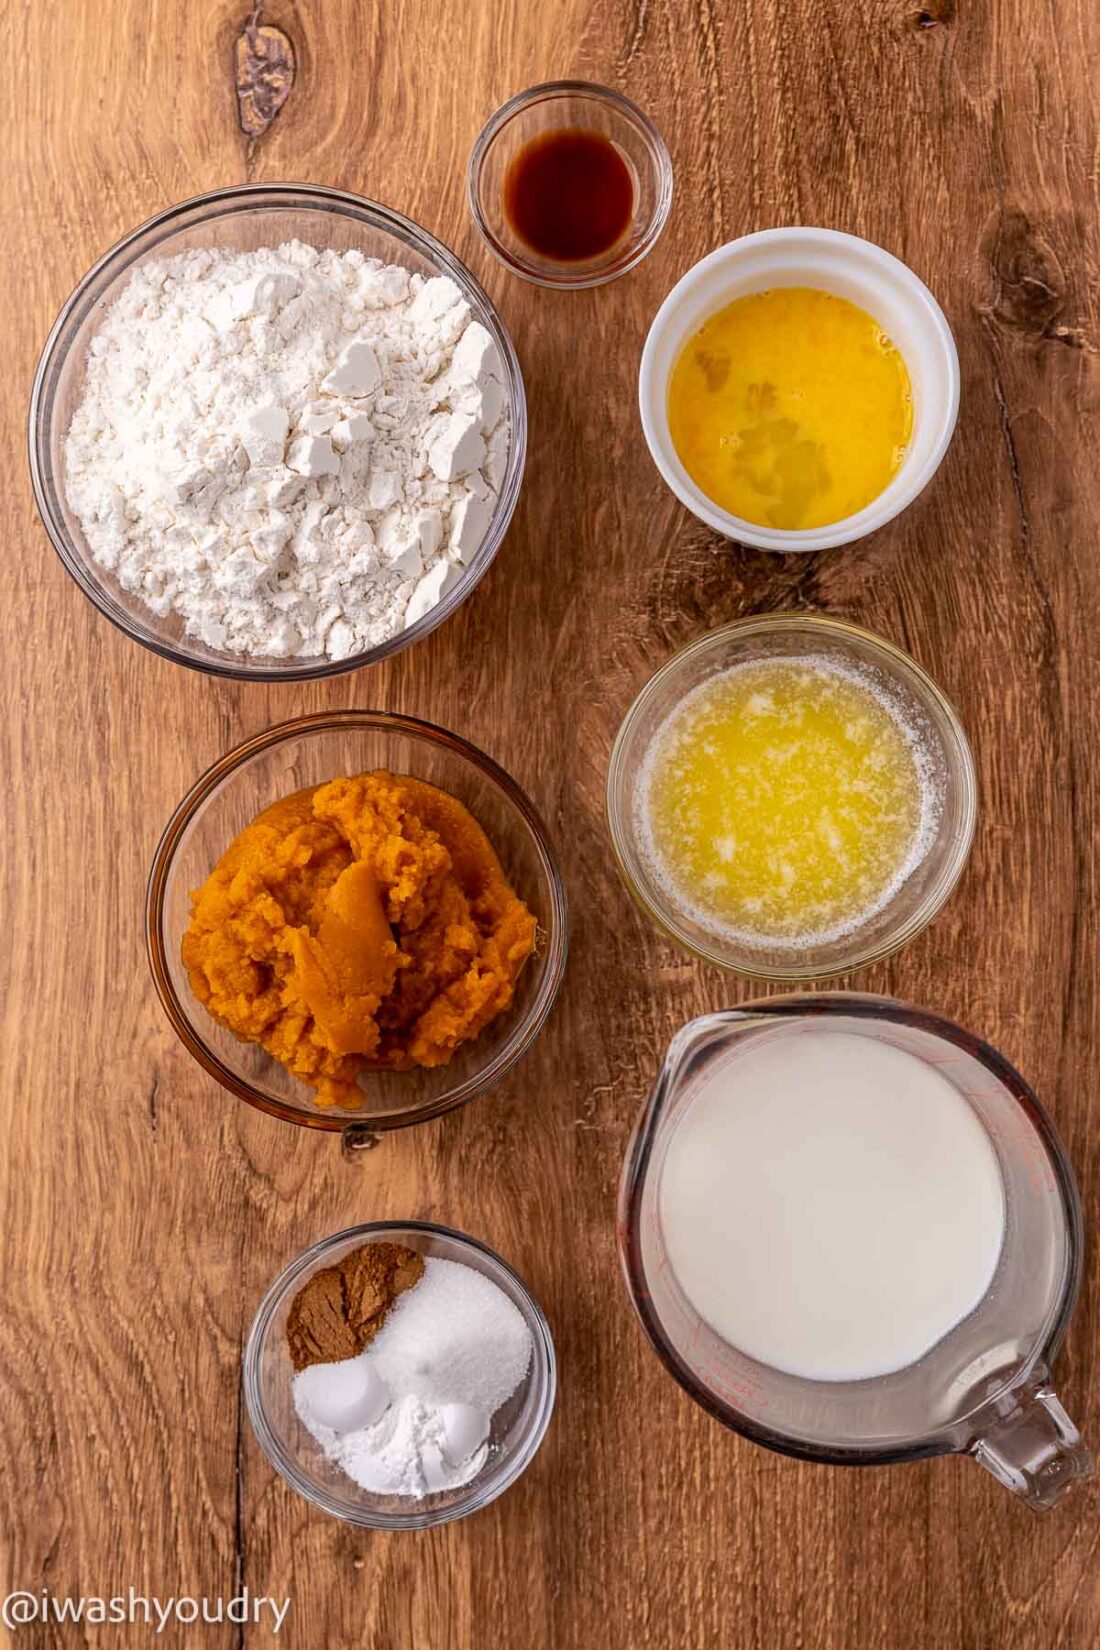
(144, 1212)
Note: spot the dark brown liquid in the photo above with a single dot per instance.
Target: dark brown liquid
(569, 195)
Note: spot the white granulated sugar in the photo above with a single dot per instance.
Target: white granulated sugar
(293, 450)
(455, 1338)
(453, 1349)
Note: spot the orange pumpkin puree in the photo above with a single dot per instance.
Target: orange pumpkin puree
(365, 923)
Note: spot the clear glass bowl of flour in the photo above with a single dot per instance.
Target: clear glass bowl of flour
(240, 219)
(310, 751)
(517, 1429)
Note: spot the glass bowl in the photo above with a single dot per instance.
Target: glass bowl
(238, 219)
(578, 106)
(306, 752)
(518, 1427)
(937, 727)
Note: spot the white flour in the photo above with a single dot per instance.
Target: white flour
(293, 450)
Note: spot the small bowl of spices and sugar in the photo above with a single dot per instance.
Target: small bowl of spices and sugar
(399, 1376)
(356, 921)
(570, 184)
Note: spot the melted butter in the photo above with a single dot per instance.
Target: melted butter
(791, 408)
(785, 801)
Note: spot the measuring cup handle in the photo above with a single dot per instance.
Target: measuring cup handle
(1030, 1445)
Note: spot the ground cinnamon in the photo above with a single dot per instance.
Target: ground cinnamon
(341, 1309)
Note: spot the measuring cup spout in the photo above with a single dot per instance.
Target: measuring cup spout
(1030, 1445)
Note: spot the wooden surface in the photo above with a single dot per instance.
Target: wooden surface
(144, 1212)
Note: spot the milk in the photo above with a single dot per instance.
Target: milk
(831, 1205)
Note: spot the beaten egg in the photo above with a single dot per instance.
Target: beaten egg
(791, 408)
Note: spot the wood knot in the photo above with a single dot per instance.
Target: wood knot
(264, 68)
(1028, 280)
(707, 581)
(933, 13)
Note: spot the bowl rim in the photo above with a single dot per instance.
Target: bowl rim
(230, 201)
(547, 91)
(556, 927)
(542, 1339)
(654, 413)
(791, 973)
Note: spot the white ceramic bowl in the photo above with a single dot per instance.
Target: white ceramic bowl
(850, 268)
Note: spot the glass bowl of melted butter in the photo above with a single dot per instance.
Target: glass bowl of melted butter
(798, 389)
(791, 797)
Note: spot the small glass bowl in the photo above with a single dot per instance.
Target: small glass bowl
(518, 1427)
(238, 219)
(306, 752)
(574, 105)
(936, 724)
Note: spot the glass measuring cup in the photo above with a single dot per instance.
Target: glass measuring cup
(984, 1389)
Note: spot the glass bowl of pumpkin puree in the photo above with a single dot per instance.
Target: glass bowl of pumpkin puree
(356, 921)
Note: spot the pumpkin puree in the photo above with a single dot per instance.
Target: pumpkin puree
(364, 923)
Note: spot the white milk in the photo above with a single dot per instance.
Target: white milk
(831, 1205)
